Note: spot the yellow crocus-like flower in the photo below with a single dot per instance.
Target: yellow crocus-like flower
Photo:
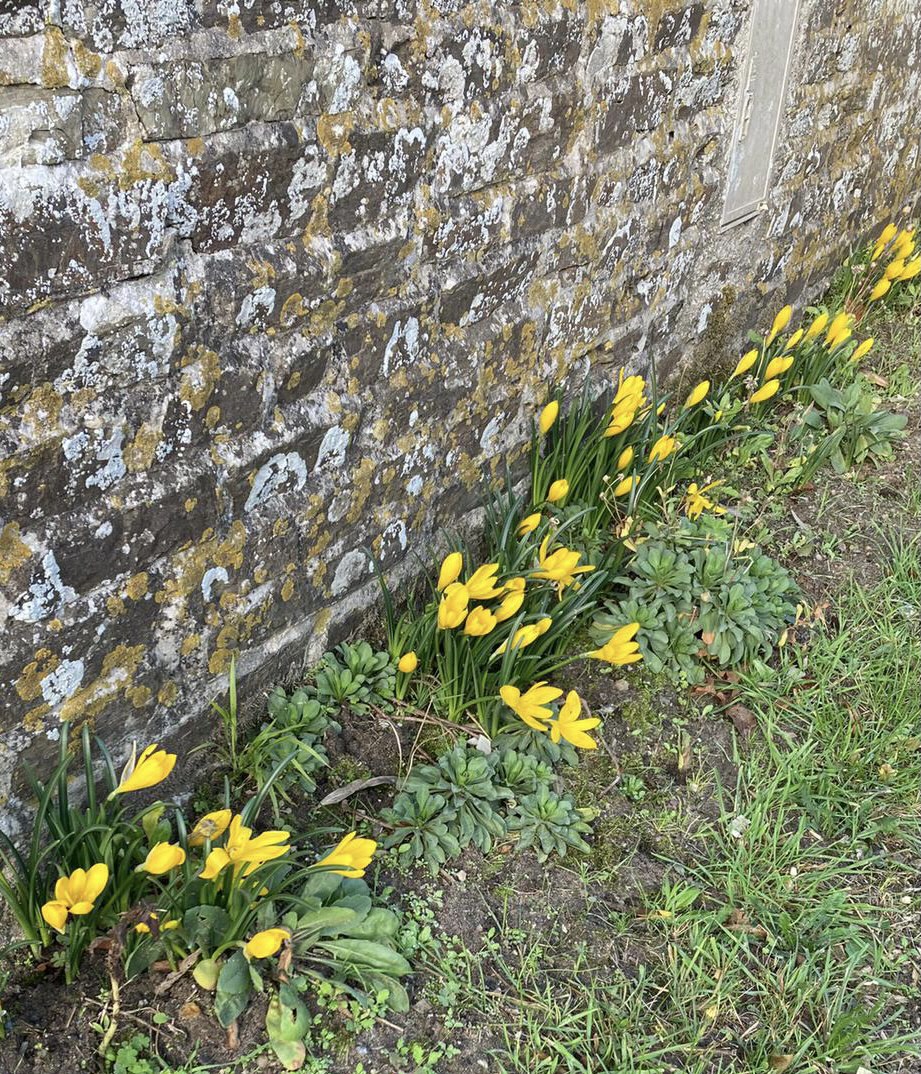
(840, 324)
(163, 926)
(558, 490)
(780, 323)
(863, 350)
(778, 366)
(662, 448)
(161, 858)
(210, 826)
(570, 727)
(840, 339)
(531, 706)
(480, 622)
(529, 524)
(745, 363)
(881, 289)
(765, 392)
(912, 268)
(151, 768)
(818, 326)
(523, 636)
(243, 851)
(624, 459)
(452, 610)
(560, 567)
(350, 858)
(408, 663)
(888, 233)
(266, 943)
(904, 244)
(625, 485)
(451, 566)
(75, 894)
(510, 606)
(895, 269)
(481, 585)
(633, 388)
(548, 416)
(515, 585)
(696, 501)
(629, 399)
(697, 395)
(794, 339)
(620, 648)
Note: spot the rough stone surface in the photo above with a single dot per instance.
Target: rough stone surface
(281, 280)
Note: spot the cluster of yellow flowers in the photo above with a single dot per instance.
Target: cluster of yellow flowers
(899, 246)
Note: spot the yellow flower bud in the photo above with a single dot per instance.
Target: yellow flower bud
(765, 392)
(794, 339)
(529, 524)
(624, 459)
(480, 622)
(778, 366)
(780, 323)
(881, 289)
(817, 326)
(408, 663)
(558, 490)
(451, 566)
(266, 943)
(625, 486)
(161, 858)
(745, 363)
(698, 394)
(548, 416)
(863, 350)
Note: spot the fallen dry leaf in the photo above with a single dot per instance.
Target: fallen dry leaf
(743, 719)
(779, 1062)
(188, 1012)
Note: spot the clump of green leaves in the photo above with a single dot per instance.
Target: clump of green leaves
(356, 676)
(701, 595)
(550, 823)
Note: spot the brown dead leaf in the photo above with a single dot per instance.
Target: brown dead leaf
(171, 978)
(875, 378)
(779, 1063)
(708, 637)
(738, 919)
(233, 1036)
(188, 1012)
(743, 719)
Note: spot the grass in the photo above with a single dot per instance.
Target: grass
(786, 938)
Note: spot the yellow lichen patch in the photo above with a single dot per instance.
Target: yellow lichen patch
(229, 553)
(89, 63)
(54, 73)
(333, 130)
(139, 454)
(115, 606)
(33, 721)
(117, 676)
(292, 308)
(144, 162)
(42, 410)
(136, 587)
(287, 589)
(168, 693)
(190, 644)
(191, 503)
(212, 417)
(29, 683)
(139, 696)
(202, 371)
(13, 551)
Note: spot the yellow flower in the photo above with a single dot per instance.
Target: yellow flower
(266, 943)
(560, 567)
(523, 636)
(840, 339)
(696, 501)
(452, 610)
(548, 416)
(745, 363)
(624, 486)
(166, 926)
(632, 388)
(886, 236)
(481, 585)
(568, 725)
(904, 244)
(817, 326)
(531, 705)
(75, 894)
(780, 323)
(350, 858)
(794, 339)
(244, 851)
(624, 459)
(510, 606)
(662, 448)
(529, 524)
(620, 648)
(765, 392)
(697, 395)
(629, 399)
(151, 768)
(558, 490)
(161, 858)
(778, 366)
(895, 269)
(451, 566)
(480, 622)
(881, 289)
(863, 350)
(840, 324)
(210, 826)
(912, 268)
(408, 663)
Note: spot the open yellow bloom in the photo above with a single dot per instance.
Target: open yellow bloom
(531, 706)
(632, 388)
(840, 324)
(480, 622)
(570, 727)
(548, 416)
(624, 459)
(210, 826)
(523, 636)
(244, 851)
(745, 363)
(75, 894)
(895, 269)
(452, 610)
(912, 268)
(481, 585)
(881, 289)
(151, 768)
(778, 366)
(625, 485)
(662, 448)
(529, 524)
(780, 323)
(765, 392)
(515, 585)
(451, 566)
(696, 501)
(840, 339)
(558, 490)
(697, 395)
(510, 606)
(408, 663)
(560, 567)
(863, 350)
(620, 648)
(266, 943)
(817, 326)
(794, 339)
(161, 858)
(350, 858)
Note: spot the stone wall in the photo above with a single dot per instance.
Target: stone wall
(282, 280)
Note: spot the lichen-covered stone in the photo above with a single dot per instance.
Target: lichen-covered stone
(282, 281)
